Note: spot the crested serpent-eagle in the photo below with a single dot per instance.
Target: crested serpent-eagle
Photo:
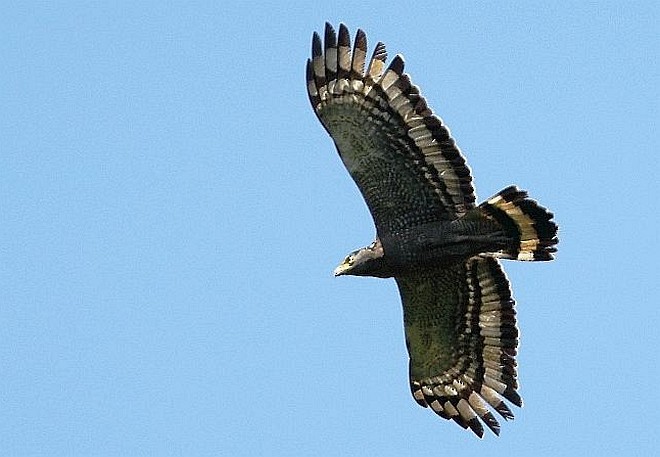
(440, 247)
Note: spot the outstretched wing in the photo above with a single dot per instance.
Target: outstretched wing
(401, 156)
(461, 336)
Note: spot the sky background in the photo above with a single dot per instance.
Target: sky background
(172, 211)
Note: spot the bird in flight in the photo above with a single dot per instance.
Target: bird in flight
(441, 248)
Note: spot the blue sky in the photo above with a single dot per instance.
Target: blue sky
(172, 213)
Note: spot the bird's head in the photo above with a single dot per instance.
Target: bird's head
(367, 261)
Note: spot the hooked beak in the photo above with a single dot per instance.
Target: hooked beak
(341, 269)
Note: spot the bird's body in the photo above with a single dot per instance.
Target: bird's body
(440, 244)
(440, 247)
(437, 244)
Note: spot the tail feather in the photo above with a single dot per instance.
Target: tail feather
(530, 227)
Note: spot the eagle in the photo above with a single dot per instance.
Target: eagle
(441, 248)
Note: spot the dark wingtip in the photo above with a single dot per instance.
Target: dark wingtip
(361, 40)
(316, 45)
(330, 36)
(309, 70)
(476, 427)
(504, 411)
(513, 396)
(358, 58)
(491, 423)
(460, 421)
(397, 64)
(344, 37)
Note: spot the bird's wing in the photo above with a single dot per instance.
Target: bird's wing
(399, 153)
(462, 340)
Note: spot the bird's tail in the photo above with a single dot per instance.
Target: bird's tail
(527, 225)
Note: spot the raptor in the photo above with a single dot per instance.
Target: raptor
(441, 248)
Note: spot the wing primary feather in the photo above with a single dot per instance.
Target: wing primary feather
(450, 405)
(380, 52)
(377, 63)
(397, 65)
(312, 90)
(504, 411)
(479, 407)
(359, 55)
(390, 78)
(317, 49)
(330, 53)
(513, 396)
(470, 417)
(318, 64)
(343, 53)
(436, 406)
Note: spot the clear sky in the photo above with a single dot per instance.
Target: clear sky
(172, 212)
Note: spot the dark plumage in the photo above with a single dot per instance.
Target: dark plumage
(441, 249)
